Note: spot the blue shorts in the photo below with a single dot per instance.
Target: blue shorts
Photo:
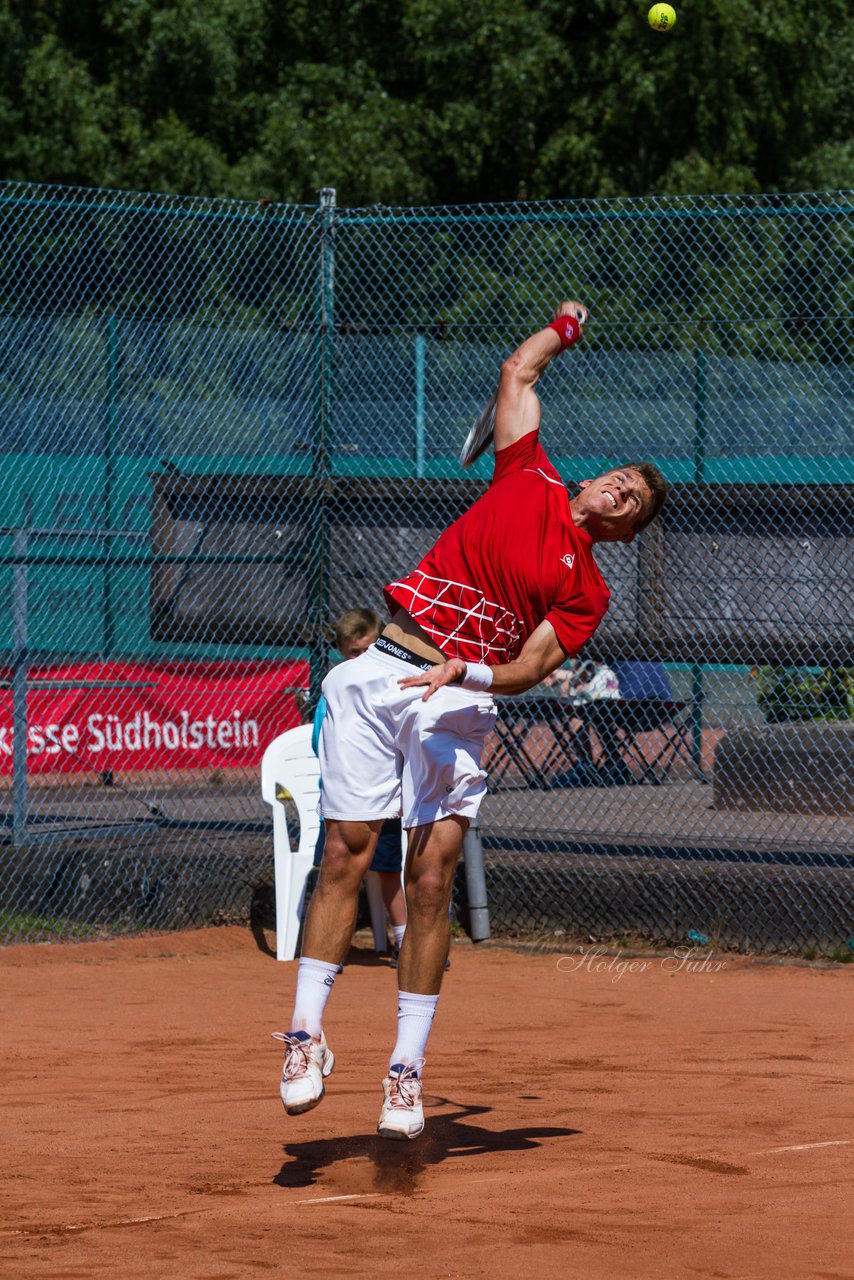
(388, 855)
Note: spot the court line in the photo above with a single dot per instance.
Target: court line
(57, 1229)
(373, 1195)
(359, 1195)
(805, 1146)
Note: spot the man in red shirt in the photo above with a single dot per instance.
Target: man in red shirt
(509, 591)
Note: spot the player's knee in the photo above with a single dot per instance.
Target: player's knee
(341, 865)
(427, 896)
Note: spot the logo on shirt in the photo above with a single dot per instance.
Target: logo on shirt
(568, 559)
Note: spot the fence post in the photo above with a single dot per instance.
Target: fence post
(699, 416)
(697, 693)
(108, 632)
(20, 660)
(476, 884)
(420, 372)
(320, 464)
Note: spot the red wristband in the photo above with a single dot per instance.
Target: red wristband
(567, 329)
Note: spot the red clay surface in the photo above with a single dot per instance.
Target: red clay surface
(582, 1123)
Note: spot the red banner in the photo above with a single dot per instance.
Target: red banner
(120, 716)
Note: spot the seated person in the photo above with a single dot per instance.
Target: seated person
(585, 680)
(623, 681)
(638, 682)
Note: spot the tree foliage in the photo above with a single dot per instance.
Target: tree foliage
(409, 101)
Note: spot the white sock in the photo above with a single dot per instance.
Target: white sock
(315, 979)
(414, 1020)
(398, 930)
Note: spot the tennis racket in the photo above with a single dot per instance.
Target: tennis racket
(479, 438)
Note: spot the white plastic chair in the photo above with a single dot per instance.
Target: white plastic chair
(290, 766)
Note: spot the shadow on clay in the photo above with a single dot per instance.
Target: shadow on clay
(397, 1166)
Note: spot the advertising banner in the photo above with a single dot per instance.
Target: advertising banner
(144, 715)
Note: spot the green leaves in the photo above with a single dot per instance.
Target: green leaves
(329, 121)
(786, 696)
(65, 124)
(427, 100)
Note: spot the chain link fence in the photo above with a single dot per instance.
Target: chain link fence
(223, 423)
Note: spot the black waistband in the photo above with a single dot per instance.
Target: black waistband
(405, 655)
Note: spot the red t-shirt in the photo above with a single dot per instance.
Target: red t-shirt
(514, 559)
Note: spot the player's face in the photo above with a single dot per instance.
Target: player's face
(616, 504)
(358, 645)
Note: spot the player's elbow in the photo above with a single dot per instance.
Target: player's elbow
(518, 677)
(517, 371)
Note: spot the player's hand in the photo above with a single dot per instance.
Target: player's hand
(576, 309)
(443, 673)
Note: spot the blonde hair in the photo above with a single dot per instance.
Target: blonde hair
(354, 624)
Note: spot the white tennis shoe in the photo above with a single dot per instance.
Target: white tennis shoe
(307, 1063)
(402, 1115)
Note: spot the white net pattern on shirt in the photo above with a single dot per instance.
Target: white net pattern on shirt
(460, 619)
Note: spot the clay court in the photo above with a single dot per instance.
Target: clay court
(591, 1116)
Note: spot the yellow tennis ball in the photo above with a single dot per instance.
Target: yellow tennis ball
(661, 17)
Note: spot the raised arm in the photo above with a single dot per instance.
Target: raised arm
(517, 409)
(540, 655)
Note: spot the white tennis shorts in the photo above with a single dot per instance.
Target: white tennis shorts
(385, 752)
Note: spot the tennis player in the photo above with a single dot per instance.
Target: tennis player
(508, 592)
